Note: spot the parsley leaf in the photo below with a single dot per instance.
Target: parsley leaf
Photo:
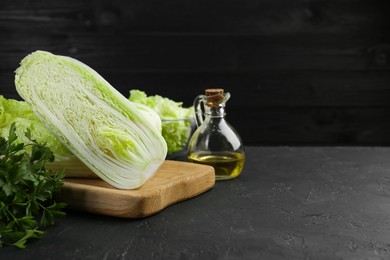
(27, 190)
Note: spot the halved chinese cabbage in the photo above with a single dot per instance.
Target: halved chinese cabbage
(120, 141)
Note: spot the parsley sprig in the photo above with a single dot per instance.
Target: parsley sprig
(27, 190)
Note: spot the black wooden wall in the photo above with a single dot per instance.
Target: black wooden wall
(302, 72)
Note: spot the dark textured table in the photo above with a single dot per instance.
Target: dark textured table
(289, 203)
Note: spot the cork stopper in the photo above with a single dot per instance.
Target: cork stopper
(214, 96)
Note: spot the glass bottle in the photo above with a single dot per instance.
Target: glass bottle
(215, 142)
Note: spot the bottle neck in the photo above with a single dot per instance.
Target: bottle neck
(214, 111)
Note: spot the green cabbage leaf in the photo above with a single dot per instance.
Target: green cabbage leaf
(119, 140)
(176, 119)
(20, 113)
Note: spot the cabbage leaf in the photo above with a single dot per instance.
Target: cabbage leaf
(176, 119)
(20, 113)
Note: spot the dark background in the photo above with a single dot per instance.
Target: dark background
(300, 72)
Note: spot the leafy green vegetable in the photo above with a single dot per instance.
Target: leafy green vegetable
(27, 189)
(119, 140)
(19, 113)
(176, 120)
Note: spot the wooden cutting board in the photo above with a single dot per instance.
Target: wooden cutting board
(175, 181)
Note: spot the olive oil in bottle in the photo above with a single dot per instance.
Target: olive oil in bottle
(226, 165)
(215, 142)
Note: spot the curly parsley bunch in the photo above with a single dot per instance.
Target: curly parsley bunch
(27, 190)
